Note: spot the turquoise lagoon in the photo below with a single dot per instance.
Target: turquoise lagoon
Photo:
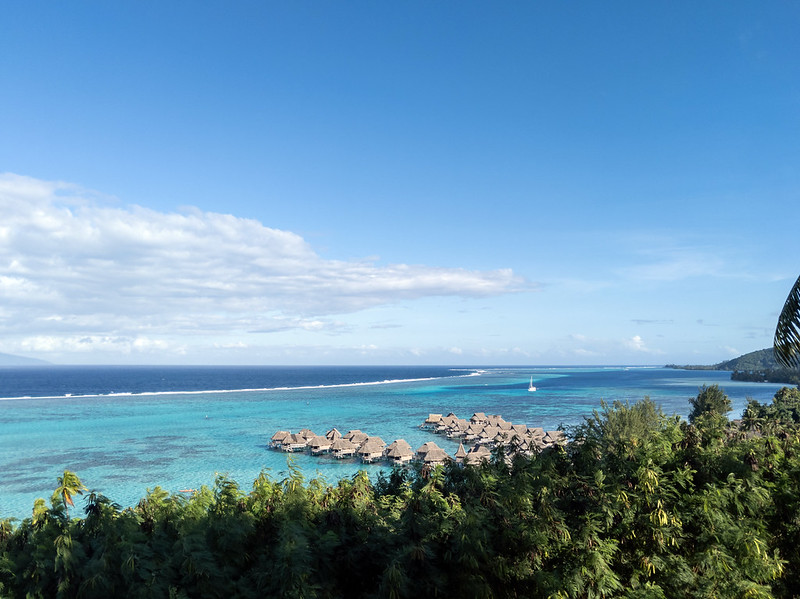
(123, 437)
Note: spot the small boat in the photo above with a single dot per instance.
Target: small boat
(531, 387)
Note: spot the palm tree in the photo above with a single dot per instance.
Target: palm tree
(787, 333)
(68, 486)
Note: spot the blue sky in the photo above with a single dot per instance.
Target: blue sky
(416, 182)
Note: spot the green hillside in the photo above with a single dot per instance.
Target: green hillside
(763, 359)
(758, 366)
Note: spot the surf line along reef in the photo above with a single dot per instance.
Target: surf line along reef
(484, 433)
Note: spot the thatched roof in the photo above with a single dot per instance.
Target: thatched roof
(293, 440)
(437, 455)
(426, 447)
(478, 417)
(478, 454)
(280, 436)
(306, 433)
(372, 445)
(356, 436)
(449, 419)
(319, 442)
(494, 419)
(398, 449)
(555, 437)
(461, 453)
(333, 434)
(432, 419)
(342, 444)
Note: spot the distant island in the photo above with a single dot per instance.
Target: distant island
(12, 360)
(757, 366)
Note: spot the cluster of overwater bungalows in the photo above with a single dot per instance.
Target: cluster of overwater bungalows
(486, 432)
(357, 444)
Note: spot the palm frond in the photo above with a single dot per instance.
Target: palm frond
(787, 333)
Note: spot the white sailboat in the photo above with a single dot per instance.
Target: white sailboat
(531, 387)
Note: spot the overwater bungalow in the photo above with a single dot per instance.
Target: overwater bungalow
(343, 448)
(435, 456)
(445, 423)
(488, 434)
(479, 418)
(501, 438)
(278, 438)
(519, 429)
(294, 442)
(320, 445)
(461, 453)
(478, 454)
(555, 438)
(399, 452)
(458, 428)
(494, 419)
(472, 432)
(424, 449)
(307, 434)
(431, 421)
(371, 449)
(356, 437)
(333, 434)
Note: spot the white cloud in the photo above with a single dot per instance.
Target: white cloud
(75, 266)
(636, 343)
(664, 260)
(94, 343)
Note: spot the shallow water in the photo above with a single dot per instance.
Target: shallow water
(148, 433)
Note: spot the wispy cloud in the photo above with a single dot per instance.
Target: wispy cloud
(77, 270)
(675, 263)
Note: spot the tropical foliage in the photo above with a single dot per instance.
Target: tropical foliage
(638, 505)
(787, 331)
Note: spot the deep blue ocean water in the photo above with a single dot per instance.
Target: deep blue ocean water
(126, 429)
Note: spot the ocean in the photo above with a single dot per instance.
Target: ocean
(126, 429)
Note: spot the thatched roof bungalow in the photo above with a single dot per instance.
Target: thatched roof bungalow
(399, 452)
(343, 448)
(294, 442)
(333, 434)
(478, 454)
(371, 450)
(536, 431)
(307, 434)
(473, 431)
(356, 437)
(436, 456)
(461, 453)
(431, 421)
(479, 418)
(458, 428)
(555, 438)
(424, 449)
(278, 438)
(320, 445)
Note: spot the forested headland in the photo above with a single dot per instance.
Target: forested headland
(757, 366)
(638, 504)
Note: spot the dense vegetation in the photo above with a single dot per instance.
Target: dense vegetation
(638, 505)
(757, 366)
